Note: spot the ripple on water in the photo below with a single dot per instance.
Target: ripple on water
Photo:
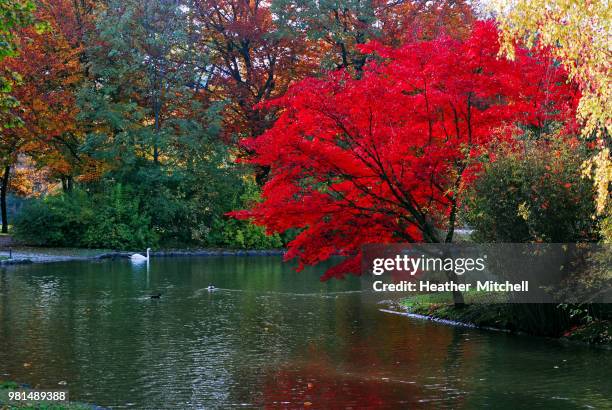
(266, 337)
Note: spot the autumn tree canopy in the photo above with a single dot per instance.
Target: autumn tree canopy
(383, 158)
(365, 119)
(14, 15)
(50, 71)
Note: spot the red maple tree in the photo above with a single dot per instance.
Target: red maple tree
(383, 158)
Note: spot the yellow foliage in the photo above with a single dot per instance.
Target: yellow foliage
(579, 34)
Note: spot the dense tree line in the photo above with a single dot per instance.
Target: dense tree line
(131, 113)
(132, 123)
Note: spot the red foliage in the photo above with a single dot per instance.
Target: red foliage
(383, 158)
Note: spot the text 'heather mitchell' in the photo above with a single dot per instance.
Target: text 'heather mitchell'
(427, 286)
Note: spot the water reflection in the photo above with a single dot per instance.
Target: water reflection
(267, 337)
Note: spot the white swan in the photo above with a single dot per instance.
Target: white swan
(139, 258)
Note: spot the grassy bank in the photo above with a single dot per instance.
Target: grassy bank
(567, 322)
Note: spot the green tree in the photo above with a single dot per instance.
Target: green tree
(533, 192)
(151, 121)
(13, 14)
(341, 25)
(338, 27)
(140, 100)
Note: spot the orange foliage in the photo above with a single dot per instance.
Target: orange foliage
(49, 64)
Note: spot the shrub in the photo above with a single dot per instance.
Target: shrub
(110, 219)
(118, 222)
(533, 192)
(175, 212)
(54, 220)
(231, 233)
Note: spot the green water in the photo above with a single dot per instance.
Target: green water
(269, 337)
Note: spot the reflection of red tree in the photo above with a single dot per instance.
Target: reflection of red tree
(321, 385)
(387, 366)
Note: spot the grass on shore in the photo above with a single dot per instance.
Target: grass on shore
(509, 317)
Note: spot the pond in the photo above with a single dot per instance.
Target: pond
(268, 337)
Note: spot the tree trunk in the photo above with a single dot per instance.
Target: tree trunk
(451, 223)
(458, 299)
(157, 112)
(3, 192)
